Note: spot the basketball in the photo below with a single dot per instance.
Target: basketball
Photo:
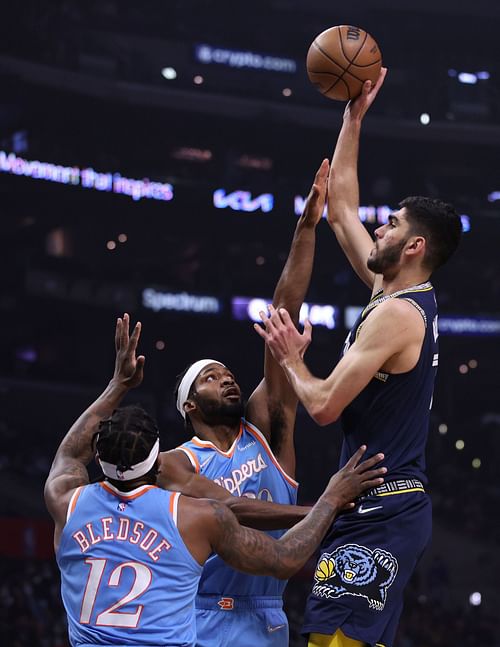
(341, 59)
(324, 570)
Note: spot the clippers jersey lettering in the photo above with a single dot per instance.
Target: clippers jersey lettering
(391, 414)
(127, 577)
(249, 469)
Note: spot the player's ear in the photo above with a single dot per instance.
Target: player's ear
(189, 406)
(416, 245)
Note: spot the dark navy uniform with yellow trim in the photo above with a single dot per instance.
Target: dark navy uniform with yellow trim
(371, 552)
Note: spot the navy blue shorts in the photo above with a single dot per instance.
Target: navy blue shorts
(365, 562)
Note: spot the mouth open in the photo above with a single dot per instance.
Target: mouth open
(232, 393)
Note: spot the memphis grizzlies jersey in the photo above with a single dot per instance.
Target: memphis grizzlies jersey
(248, 468)
(127, 577)
(391, 414)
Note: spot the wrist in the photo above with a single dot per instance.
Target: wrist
(330, 503)
(291, 363)
(117, 388)
(306, 223)
(354, 121)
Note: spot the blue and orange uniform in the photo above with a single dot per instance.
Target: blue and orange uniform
(370, 553)
(127, 577)
(234, 608)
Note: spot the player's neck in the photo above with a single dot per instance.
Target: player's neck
(222, 436)
(128, 486)
(403, 279)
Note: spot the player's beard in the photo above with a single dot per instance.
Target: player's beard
(384, 260)
(220, 413)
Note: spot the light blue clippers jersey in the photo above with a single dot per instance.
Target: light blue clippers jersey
(127, 577)
(248, 468)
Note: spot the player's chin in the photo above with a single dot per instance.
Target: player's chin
(232, 408)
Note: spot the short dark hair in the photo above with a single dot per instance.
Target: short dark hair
(187, 421)
(126, 438)
(439, 223)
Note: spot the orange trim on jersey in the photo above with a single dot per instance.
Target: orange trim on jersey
(192, 457)
(173, 506)
(207, 443)
(253, 431)
(124, 495)
(74, 499)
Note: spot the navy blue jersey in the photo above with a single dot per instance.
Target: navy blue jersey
(391, 414)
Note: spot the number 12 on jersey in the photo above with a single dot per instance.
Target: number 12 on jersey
(111, 617)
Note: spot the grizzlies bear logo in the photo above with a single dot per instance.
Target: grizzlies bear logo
(356, 570)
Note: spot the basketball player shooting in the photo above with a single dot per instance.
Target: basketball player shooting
(381, 389)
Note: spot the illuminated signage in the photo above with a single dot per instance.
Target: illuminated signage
(243, 201)
(239, 59)
(319, 315)
(371, 214)
(463, 325)
(88, 178)
(447, 324)
(180, 302)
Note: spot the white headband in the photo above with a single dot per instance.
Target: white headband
(135, 471)
(187, 381)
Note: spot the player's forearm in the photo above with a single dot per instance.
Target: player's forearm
(76, 444)
(310, 390)
(264, 515)
(254, 552)
(297, 545)
(296, 275)
(343, 187)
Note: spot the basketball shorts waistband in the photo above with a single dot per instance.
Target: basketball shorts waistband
(237, 603)
(400, 486)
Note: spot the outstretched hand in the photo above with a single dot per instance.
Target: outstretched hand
(281, 335)
(354, 479)
(357, 108)
(315, 201)
(129, 369)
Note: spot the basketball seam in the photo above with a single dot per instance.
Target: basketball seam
(333, 61)
(351, 61)
(344, 70)
(379, 60)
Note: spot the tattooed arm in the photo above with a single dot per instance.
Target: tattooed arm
(254, 552)
(68, 469)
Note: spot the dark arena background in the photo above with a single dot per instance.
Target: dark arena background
(153, 159)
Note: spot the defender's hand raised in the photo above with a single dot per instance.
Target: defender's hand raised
(129, 369)
(315, 201)
(281, 335)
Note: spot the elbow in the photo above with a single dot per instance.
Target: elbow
(285, 571)
(324, 415)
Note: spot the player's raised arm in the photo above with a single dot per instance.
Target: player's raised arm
(272, 406)
(255, 552)
(75, 452)
(343, 188)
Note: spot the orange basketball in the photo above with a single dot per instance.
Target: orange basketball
(341, 59)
